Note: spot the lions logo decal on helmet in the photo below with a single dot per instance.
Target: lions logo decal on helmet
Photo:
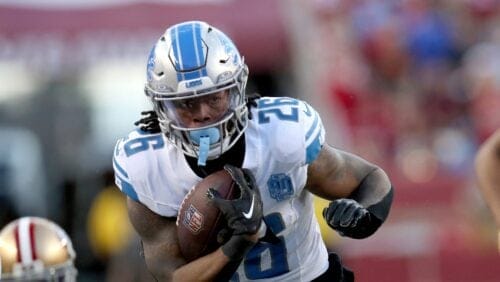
(191, 60)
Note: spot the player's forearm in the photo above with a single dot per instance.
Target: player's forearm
(220, 264)
(202, 269)
(375, 193)
(490, 188)
(487, 166)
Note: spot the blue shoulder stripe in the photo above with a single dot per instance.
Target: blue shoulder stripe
(119, 168)
(126, 188)
(312, 151)
(313, 126)
(308, 111)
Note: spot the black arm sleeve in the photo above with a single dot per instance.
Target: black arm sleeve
(227, 272)
(381, 209)
(377, 214)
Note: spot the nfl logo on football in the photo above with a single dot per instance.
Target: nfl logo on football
(193, 219)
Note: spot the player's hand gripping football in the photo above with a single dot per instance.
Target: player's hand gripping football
(244, 214)
(346, 216)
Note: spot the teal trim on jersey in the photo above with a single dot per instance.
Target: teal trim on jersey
(117, 146)
(128, 189)
(142, 132)
(313, 127)
(308, 111)
(312, 151)
(119, 168)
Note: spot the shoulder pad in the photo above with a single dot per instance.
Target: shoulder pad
(293, 126)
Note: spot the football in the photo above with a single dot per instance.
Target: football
(199, 221)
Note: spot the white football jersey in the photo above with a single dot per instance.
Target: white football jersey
(284, 136)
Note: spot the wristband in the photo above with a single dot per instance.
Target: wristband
(237, 247)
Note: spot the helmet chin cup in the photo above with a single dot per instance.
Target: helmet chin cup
(204, 138)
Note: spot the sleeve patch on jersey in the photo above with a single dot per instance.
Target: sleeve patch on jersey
(126, 188)
(313, 149)
(119, 168)
(280, 187)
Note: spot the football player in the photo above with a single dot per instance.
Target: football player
(487, 165)
(275, 150)
(36, 249)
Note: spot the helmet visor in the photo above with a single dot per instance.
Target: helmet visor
(199, 111)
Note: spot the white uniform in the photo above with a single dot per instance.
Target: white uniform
(284, 136)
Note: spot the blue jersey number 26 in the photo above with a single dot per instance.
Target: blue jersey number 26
(266, 260)
(268, 108)
(140, 144)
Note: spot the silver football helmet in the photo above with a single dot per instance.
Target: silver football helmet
(190, 61)
(36, 249)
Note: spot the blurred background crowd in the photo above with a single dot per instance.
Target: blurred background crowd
(411, 85)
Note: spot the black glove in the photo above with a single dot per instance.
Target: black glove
(224, 235)
(244, 214)
(349, 218)
(149, 123)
